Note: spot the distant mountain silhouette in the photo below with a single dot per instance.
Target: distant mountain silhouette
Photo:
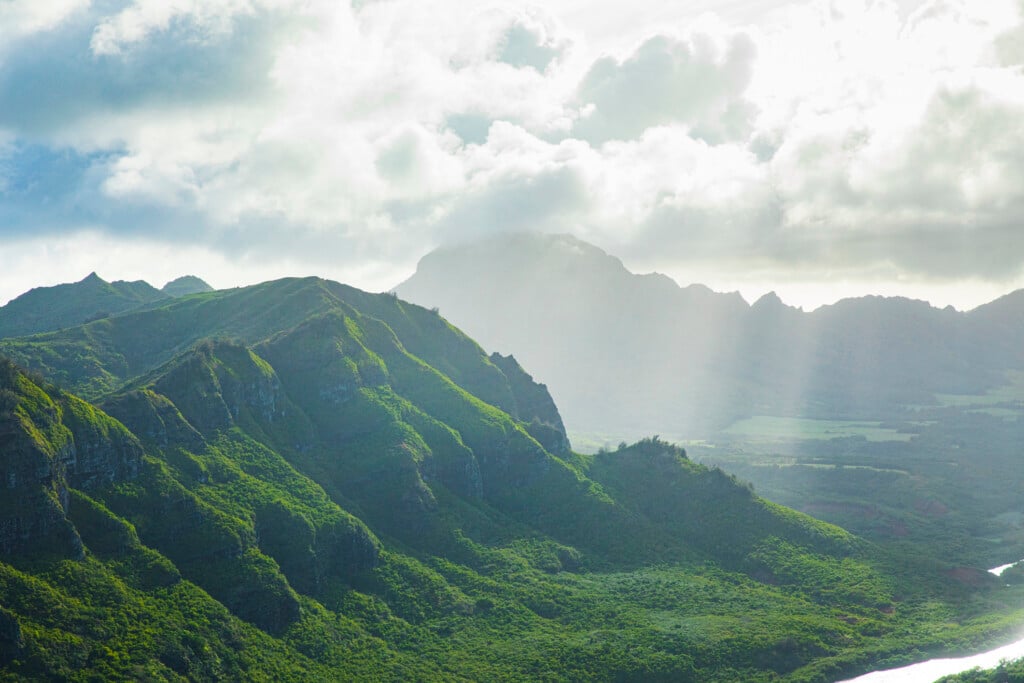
(628, 354)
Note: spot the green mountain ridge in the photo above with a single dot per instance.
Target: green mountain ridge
(300, 480)
(44, 309)
(185, 285)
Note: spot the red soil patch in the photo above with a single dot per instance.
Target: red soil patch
(968, 575)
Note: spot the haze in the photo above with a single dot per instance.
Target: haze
(816, 149)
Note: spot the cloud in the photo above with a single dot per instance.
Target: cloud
(547, 200)
(470, 127)
(837, 138)
(934, 198)
(698, 81)
(528, 42)
(415, 163)
(518, 182)
(23, 17)
(138, 21)
(55, 80)
(1009, 45)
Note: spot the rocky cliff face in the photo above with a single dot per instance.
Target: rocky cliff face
(12, 643)
(534, 406)
(221, 383)
(36, 451)
(48, 442)
(104, 452)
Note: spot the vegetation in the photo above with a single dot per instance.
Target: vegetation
(1007, 672)
(946, 484)
(301, 481)
(53, 308)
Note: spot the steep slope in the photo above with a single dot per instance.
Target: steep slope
(621, 353)
(1001, 323)
(625, 354)
(294, 587)
(85, 595)
(53, 308)
(358, 491)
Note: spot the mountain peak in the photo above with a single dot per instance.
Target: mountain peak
(45, 309)
(772, 302)
(771, 299)
(185, 285)
(524, 246)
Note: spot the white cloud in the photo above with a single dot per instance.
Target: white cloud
(532, 40)
(698, 81)
(416, 163)
(137, 21)
(21, 17)
(832, 137)
(143, 178)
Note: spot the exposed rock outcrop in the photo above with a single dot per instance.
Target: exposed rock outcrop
(35, 451)
(48, 442)
(12, 643)
(534, 406)
(104, 451)
(221, 383)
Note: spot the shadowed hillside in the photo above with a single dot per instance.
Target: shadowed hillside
(628, 354)
(300, 480)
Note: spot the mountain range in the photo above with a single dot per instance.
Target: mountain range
(299, 480)
(631, 354)
(50, 308)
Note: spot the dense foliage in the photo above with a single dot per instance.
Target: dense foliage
(1007, 672)
(301, 481)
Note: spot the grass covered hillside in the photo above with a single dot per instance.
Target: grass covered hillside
(51, 308)
(300, 480)
(44, 309)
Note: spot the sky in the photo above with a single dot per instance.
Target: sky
(820, 149)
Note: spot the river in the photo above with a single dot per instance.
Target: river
(929, 671)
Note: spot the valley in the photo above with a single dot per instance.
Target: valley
(303, 480)
(886, 417)
(387, 341)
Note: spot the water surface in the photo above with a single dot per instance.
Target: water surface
(929, 671)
